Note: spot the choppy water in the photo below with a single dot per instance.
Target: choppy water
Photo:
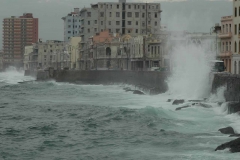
(56, 121)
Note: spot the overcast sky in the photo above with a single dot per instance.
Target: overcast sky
(191, 15)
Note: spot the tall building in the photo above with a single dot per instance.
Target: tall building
(226, 41)
(120, 18)
(18, 32)
(235, 38)
(71, 25)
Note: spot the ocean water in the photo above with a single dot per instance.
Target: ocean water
(63, 121)
(55, 121)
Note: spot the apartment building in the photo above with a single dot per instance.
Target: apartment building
(71, 24)
(52, 53)
(120, 18)
(18, 32)
(235, 38)
(226, 41)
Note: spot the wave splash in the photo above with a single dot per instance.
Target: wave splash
(190, 71)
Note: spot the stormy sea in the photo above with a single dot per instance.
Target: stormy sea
(63, 121)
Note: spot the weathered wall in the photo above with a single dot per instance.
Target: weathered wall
(154, 81)
(232, 83)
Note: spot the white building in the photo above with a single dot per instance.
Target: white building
(71, 24)
(73, 51)
(26, 57)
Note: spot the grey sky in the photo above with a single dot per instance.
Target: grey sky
(192, 15)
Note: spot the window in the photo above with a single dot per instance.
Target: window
(239, 11)
(135, 6)
(226, 46)
(149, 22)
(44, 50)
(109, 22)
(235, 29)
(230, 28)
(110, 14)
(101, 22)
(95, 21)
(69, 20)
(117, 22)
(101, 14)
(230, 45)
(88, 22)
(95, 29)
(50, 50)
(117, 6)
(137, 23)
(235, 12)
(136, 30)
(136, 14)
(143, 15)
(223, 47)
(69, 31)
(129, 22)
(129, 6)
(129, 31)
(156, 15)
(110, 30)
(156, 24)
(51, 46)
(89, 14)
(117, 14)
(69, 26)
(143, 24)
(88, 30)
(143, 7)
(129, 14)
(117, 30)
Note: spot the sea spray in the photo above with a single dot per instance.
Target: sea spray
(190, 71)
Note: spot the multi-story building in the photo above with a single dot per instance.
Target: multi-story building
(18, 32)
(236, 38)
(73, 51)
(226, 41)
(1, 58)
(71, 25)
(52, 53)
(120, 18)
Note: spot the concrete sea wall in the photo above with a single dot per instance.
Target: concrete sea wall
(232, 84)
(155, 82)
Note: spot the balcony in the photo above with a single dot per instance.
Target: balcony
(226, 18)
(225, 54)
(225, 35)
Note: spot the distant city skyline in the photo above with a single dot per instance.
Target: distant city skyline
(181, 15)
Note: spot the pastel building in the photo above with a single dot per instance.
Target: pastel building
(71, 25)
(226, 41)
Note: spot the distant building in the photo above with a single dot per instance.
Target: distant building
(18, 32)
(120, 18)
(235, 38)
(71, 25)
(1, 60)
(27, 60)
(73, 51)
(226, 41)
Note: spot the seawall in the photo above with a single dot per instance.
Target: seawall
(232, 84)
(155, 82)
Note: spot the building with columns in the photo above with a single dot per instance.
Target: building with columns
(226, 41)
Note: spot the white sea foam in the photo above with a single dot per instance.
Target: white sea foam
(13, 76)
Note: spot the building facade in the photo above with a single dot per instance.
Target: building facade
(18, 32)
(73, 51)
(119, 18)
(27, 60)
(226, 41)
(71, 24)
(1, 60)
(235, 38)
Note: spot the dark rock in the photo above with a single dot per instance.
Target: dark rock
(138, 92)
(195, 100)
(179, 108)
(233, 145)
(205, 105)
(227, 130)
(235, 135)
(178, 101)
(169, 100)
(233, 107)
